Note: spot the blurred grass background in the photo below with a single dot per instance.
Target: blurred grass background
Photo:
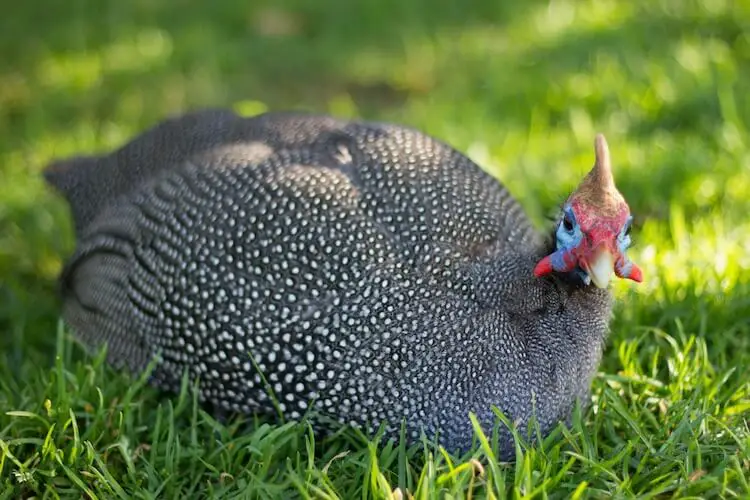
(521, 87)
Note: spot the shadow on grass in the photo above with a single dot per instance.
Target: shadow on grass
(88, 57)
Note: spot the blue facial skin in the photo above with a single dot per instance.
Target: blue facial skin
(570, 237)
(623, 243)
(623, 239)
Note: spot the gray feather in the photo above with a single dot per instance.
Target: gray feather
(370, 271)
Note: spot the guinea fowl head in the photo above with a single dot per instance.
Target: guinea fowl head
(593, 233)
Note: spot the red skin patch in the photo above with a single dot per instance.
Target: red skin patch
(599, 234)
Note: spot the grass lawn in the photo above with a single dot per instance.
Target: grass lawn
(521, 87)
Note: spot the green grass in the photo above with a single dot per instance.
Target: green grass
(522, 89)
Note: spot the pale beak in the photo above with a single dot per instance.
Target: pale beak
(600, 268)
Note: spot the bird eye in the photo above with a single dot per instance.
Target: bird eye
(627, 227)
(567, 224)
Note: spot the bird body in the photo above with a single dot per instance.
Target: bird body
(360, 272)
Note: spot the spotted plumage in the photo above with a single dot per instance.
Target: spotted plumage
(356, 271)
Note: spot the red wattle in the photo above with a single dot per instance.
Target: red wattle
(636, 274)
(543, 268)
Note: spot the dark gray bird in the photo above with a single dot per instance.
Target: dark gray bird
(357, 271)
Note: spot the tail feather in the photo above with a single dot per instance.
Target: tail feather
(90, 183)
(83, 180)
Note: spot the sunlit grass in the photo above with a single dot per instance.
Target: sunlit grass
(522, 91)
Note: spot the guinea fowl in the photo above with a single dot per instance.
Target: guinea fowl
(358, 272)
